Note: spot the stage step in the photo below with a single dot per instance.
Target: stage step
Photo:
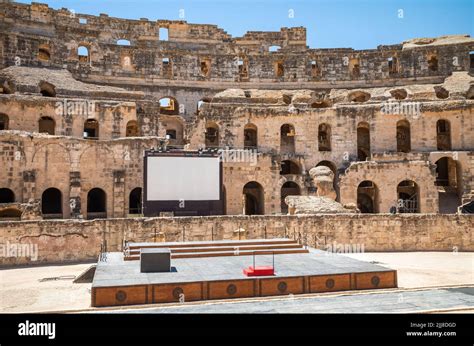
(227, 253)
(136, 251)
(232, 243)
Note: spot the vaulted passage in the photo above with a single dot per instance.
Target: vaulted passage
(7, 196)
(288, 189)
(212, 135)
(253, 198)
(3, 121)
(443, 135)
(83, 54)
(408, 197)
(169, 106)
(96, 204)
(363, 141)
(135, 201)
(132, 129)
(51, 204)
(433, 63)
(287, 139)
(367, 197)
(250, 136)
(448, 182)
(91, 129)
(403, 136)
(46, 125)
(10, 214)
(324, 137)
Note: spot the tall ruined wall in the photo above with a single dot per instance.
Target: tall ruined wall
(69, 115)
(203, 59)
(32, 164)
(69, 241)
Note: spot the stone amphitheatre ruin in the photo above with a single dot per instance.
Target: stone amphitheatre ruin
(83, 96)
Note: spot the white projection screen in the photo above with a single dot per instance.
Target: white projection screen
(188, 178)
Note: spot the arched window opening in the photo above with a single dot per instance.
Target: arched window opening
(212, 135)
(123, 42)
(83, 54)
(166, 68)
(96, 204)
(367, 197)
(408, 197)
(169, 106)
(52, 204)
(250, 136)
(324, 137)
(6, 196)
(46, 125)
(135, 201)
(443, 135)
(287, 139)
(171, 134)
(205, 66)
(132, 129)
(243, 66)
(4, 122)
(446, 172)
(91, 129)
(433, 63)
(163, 34)
(392, 66)
(449, 185)
(354, 67)
(253, 198)
(315, 69)
(288, 189)
(363, 141)
(43, 53)
(403, 136)
(279, 69)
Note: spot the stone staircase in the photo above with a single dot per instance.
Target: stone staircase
(219, 248)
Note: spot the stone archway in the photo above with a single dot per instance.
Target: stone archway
(253, 198)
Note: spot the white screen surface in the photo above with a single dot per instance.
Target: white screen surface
(183, 178)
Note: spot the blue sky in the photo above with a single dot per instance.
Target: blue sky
(360, 24)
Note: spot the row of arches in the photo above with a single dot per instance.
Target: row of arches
(408, 197)
(288, 133)
(90, 131)
(52, 202)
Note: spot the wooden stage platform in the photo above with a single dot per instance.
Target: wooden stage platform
(214, 270)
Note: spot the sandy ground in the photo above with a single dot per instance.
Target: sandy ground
(425, 269)
(21, 290)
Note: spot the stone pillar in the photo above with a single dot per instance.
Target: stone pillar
(29, 185)
(118, 200)
(75, 195)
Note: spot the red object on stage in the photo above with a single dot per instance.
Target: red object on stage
(259, 271)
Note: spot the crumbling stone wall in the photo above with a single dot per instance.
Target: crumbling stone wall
(34, 163)
(139, 65)
(74, 240)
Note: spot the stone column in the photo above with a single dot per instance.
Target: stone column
(118, 201)
(75, 195)
(29, 185)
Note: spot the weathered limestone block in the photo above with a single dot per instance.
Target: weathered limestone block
(21, 211)
(323, 179)
(315, 205)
